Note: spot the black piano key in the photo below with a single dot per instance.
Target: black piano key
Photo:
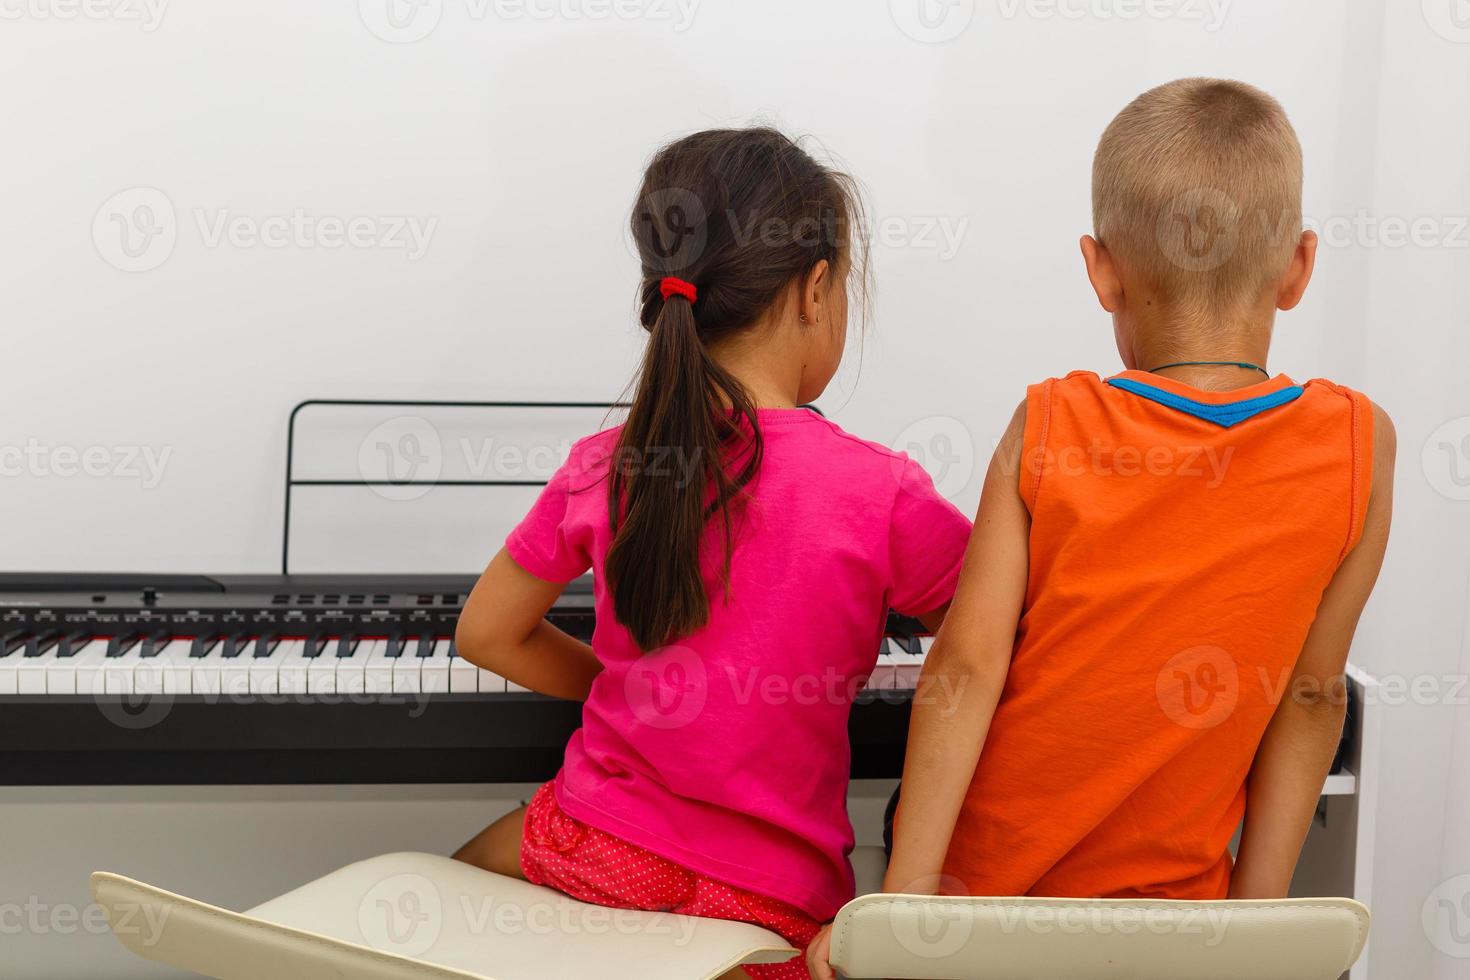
(426, 646)
(119, 645)
(235, 645)
(265, 646)
(154, 643)
(72, 644)
(315, 646)
(41, 643)
(394, 647)
(346, 647)
(13, 641)
(202, 646)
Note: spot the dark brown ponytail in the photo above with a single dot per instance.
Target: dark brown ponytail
(741, 214)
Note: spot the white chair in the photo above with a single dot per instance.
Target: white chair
(424, 917)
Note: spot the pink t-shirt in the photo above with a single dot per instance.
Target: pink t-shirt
(728, 751)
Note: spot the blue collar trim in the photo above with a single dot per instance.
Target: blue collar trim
(1222, 415)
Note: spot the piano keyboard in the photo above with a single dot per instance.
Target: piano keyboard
(195, 679)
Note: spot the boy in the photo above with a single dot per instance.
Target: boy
(1151, 629)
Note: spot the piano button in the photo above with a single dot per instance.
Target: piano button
(292, 676)
(265, 646)
(379, 668)
(463, 675)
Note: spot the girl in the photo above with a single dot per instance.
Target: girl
(745, 553)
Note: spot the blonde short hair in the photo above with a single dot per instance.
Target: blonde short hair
(1197, 188)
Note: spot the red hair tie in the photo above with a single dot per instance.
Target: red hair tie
(678, 287)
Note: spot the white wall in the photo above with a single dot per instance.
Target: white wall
(521, 138)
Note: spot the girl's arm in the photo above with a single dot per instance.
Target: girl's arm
(503, 628)
(963, 675)
(1296, 752)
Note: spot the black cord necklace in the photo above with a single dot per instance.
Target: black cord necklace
(1240, 364)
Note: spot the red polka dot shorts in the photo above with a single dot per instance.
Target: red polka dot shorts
(591, 866)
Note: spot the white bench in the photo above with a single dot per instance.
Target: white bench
(425, 917)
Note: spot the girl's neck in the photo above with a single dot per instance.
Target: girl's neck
(770, 380)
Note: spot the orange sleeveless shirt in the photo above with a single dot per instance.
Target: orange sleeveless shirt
(1180, 543)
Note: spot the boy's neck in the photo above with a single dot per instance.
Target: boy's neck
(1161, 337)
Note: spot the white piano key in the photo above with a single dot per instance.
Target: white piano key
(265, 672)
(70, 673)
(10, 672)
(352, 671)
(148, 674)
(31, 671)
(174, 666)
(378, 669)
(234, 675)
(321, 672)
(463, 675)
(906, 668)
(492, 683)
(205, 671)
(434, 670)
(292, 678)
(407, 668)
(117, 672)
(925, 643)
(884, 676)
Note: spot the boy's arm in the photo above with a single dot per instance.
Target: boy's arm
(1296, 752)
(503, 628)
(963, 675)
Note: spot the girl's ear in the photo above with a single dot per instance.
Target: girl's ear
(813, 293)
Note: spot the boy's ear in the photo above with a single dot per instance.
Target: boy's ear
(1299, 273)
(1102, 274)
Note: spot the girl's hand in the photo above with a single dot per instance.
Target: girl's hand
(817, 954)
